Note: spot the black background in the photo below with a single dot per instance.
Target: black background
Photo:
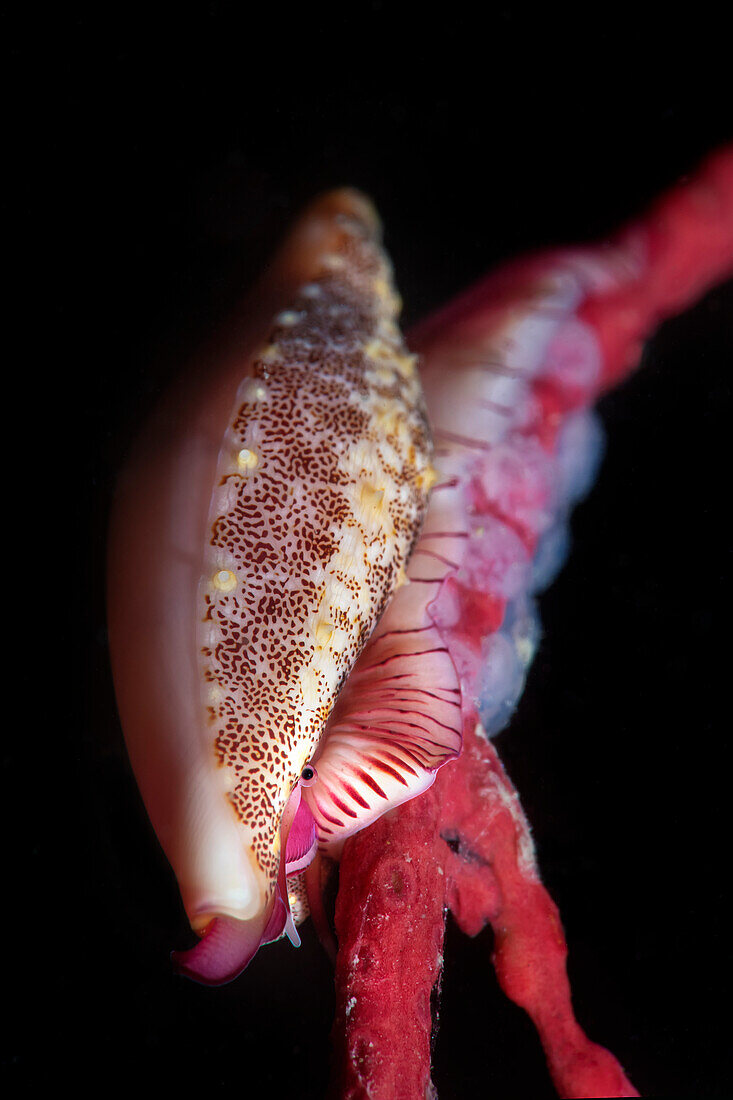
(166, 156)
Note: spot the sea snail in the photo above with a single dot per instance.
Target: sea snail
(262, 524)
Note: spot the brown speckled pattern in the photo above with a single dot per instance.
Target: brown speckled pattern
(321, 490)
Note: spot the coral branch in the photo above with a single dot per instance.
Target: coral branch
(465, 845)
(390, 924)
(686, 240)
(494, 878)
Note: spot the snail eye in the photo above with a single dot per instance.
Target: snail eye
(308, 776)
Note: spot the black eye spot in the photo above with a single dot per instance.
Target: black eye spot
(308, 776)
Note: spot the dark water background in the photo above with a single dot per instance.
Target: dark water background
(169, 153)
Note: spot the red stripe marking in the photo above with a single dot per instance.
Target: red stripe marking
(401, 656)
(369, 780)
(334, 820)
(353, 793)
(432, 694)
(462, 440)
(342, 805)
(426, 717)
(414, 756)
(400, 763)
(417, 630)
(386, 769)
(438, 557)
